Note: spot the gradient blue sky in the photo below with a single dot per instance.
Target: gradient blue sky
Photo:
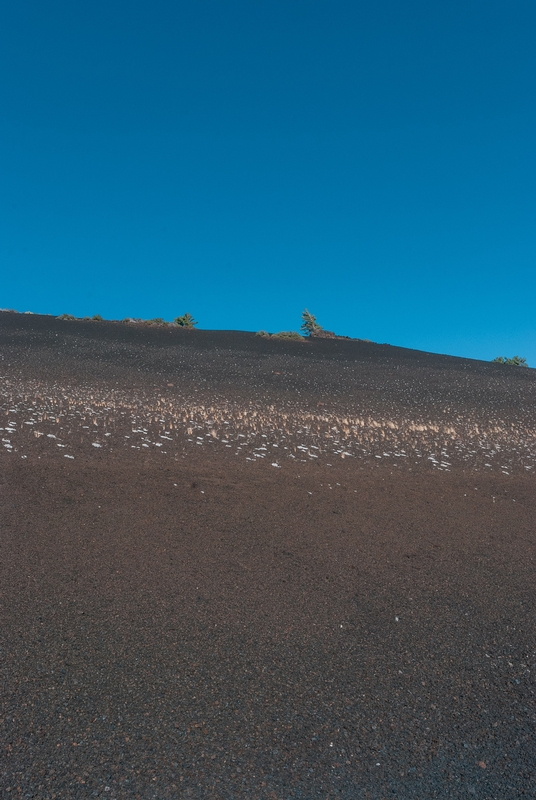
(373, 161)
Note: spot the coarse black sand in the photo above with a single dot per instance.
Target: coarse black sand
(236, 568)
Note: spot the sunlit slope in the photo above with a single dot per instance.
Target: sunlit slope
(70, 387)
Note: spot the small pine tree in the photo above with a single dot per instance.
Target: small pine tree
(186, 321)
(309, 324)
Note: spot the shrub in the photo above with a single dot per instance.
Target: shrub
(292, 335)
(515, 361)
(97, 318)
(309, 324)
(66, 316)
(186, 321)
(157, 321)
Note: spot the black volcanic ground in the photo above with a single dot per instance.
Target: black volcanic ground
(235, 567)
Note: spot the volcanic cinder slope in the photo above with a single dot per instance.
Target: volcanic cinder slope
(234, 567)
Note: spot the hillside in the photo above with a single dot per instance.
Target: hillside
(229, 390)
(235, 567)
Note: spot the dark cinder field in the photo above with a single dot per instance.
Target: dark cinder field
(234, 567)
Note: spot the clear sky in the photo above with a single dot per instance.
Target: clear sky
(373, 160)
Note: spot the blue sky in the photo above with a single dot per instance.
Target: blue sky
(373, 161)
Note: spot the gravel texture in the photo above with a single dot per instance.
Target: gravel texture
(261, 606)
